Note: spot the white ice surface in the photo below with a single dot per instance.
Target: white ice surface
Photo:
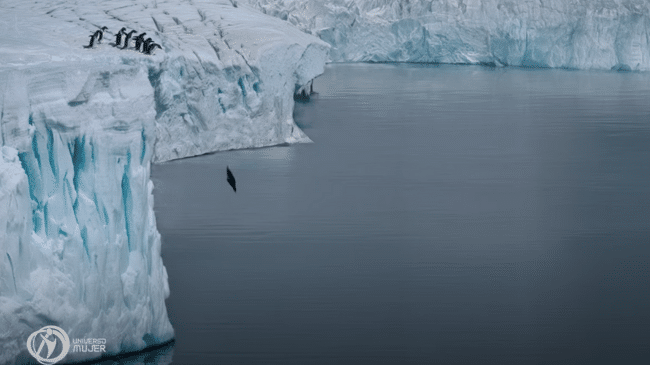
(79, 129)
(582, 34)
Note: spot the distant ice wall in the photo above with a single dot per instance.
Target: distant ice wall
(581, 34)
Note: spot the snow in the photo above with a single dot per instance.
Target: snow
(579, 34)
(79, 247)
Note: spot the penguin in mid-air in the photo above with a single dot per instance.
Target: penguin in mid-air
(128, 37)
(151, 47)
(118, 37)
(138, 41)
(231, 179)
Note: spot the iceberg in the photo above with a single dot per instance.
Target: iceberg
(79, 247)
(576, 34)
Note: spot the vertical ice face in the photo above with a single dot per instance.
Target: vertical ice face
(15, 223)
(78, 241)
(229, 79)
(584, 34)
(15, 249)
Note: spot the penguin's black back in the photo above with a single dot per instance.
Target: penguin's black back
(231, 179)
(118, 39)
(92, 41)
(151, 47)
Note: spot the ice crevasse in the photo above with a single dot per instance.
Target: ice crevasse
(577, 34)
(79, 128)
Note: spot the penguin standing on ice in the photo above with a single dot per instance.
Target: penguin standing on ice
(151, 47)
(138, 41)
(92, 40)
(145, 44)
(100, 34)
(118, 37)
(231, 179)
(128, 38)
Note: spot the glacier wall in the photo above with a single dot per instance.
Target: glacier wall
(580, 34)
(78, 243)
(79, 129)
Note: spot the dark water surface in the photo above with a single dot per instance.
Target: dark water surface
(444, 214)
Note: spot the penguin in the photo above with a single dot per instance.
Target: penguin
(151, 48)
(138, 41)
(92, 40)
(231, 179)
(128, 37)
(100, 34)
(118, 37)
(145, 44)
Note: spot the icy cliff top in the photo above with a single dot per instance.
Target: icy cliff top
(222, 65)
(79, 128)
(34, 33)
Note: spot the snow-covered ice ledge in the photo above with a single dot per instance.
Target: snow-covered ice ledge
(79, 129)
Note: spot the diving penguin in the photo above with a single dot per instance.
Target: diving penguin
(231, 179)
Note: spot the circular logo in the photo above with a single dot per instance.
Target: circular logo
(48, 345)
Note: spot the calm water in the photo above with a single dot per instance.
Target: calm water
(444, 214)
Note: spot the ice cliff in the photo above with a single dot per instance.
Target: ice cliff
(581, 34)
(79, 128)
(78, 240)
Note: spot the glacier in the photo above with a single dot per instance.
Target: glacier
(575, 34)
(79, 247)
